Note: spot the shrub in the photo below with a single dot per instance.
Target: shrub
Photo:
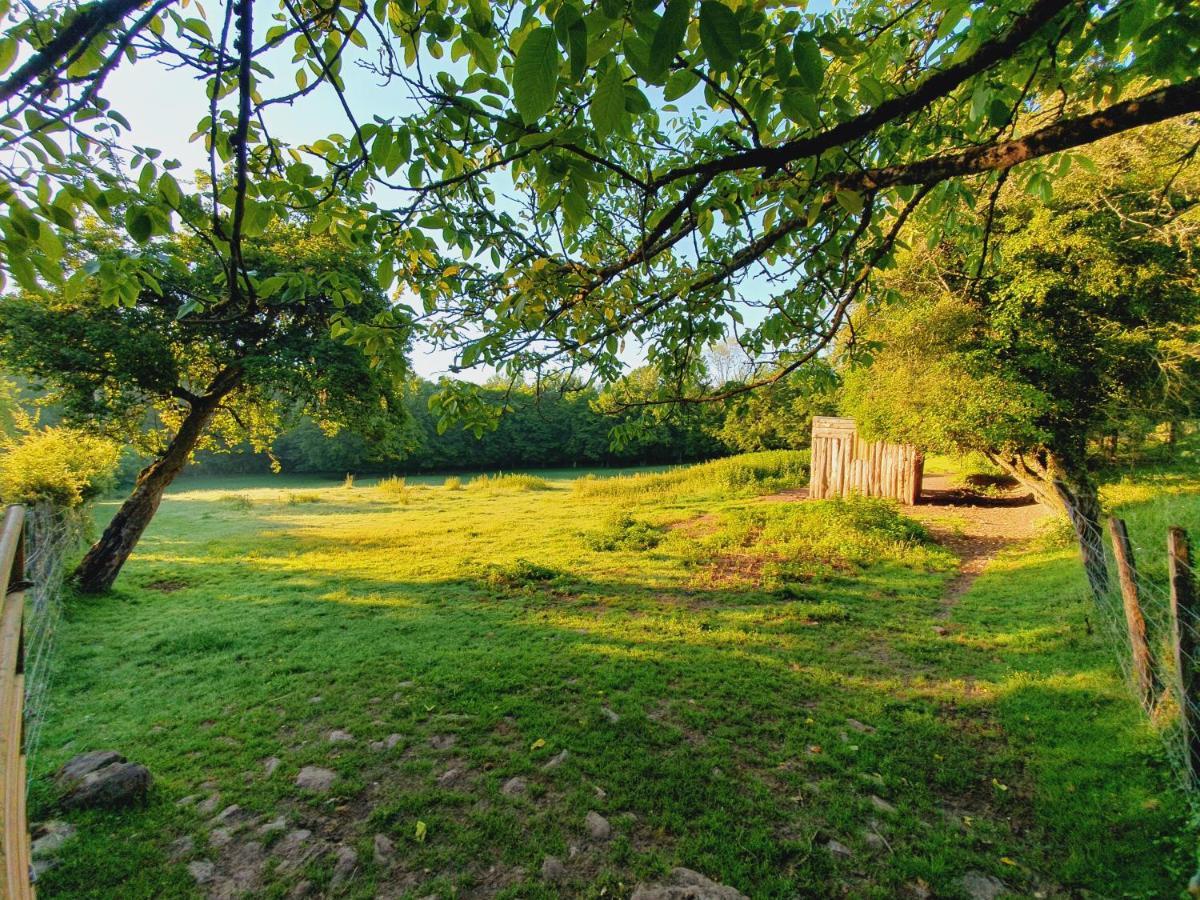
(510, 482)
(63, 466)
(296, 498)
(395, 487)
(623, 532)
(453, 483)
(517, 574)
(237, 501)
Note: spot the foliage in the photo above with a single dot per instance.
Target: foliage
(512, 481)
(453, 483)
(60, 465)
(395, 488)
(569, 177)
(779, 416)
(622, 531)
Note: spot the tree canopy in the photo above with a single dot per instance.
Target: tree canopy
(566, 177)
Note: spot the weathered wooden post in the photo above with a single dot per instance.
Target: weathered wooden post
(1183, 641)
(1143, 668)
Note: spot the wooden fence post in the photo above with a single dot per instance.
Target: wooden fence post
(1183, 640)
(1143, 669)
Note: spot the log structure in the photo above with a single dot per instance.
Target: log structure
(844, 464)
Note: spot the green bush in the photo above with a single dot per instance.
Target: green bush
(624, 532)
(60, 465)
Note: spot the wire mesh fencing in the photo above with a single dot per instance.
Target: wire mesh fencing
(1150, 613)
(52, 535)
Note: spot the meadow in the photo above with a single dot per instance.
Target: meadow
(770, 692)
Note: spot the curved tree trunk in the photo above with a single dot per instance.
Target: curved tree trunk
(102, 563)
(1068, 490)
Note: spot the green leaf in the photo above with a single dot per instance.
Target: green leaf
(720, 34)
(607, 108)
(679, 84)
(572, 33)
(535, 75)
(139, 224)
(671, 31)
(850, 201)
(810, 65)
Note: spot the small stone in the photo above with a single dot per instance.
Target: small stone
(556, 761)
(860, 727)
(443, 741)
(874, 841)
(384, 850)
(882, 805)
(115, 785)
(302, 889)
(601, 793)
(514, 786)
(981, 886)
(449, 777)
(597, 826)
(181, 847)
(610, 715)
(231, 813)
(316, 699)
(553, 870)
(270, 765)
(572, 851)
(188, 800)
(838, 849)
(202, 871)
(277, 824)
(219, 837)
(84, 764)
(872, 778)
(344, 866)
(388, 743)
(684, 884)
(294, 850)
(53, 835)
(209, 804)
(338, 736)
(941, 630)
(314, 778)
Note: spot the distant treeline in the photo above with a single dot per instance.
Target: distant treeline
(554, 429)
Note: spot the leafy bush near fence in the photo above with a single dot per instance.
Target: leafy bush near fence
(58, 465)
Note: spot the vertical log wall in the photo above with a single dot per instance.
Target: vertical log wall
(843, 463)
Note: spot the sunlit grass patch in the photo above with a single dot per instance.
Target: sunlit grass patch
(298, 498)
(621, 531)
(394, 488)
(512, 481)
(735, 476)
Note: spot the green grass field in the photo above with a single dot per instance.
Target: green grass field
(737, 683)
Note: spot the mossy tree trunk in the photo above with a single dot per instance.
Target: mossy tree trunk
(102, 563)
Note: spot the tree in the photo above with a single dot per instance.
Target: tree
(182, 363)
(778, 416)
(585, 174)
(1084, 318)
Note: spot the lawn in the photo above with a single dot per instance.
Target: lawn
(761, 691)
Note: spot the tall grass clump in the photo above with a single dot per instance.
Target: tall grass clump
(453, 483)
(735, 476)
(298, 498)
(395, 488)
(513, 481)
(236, 501)
(348, 483)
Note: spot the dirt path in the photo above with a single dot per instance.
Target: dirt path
(974, 526)
(977, 527)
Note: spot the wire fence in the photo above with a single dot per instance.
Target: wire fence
(52, 535)
(1148, 613)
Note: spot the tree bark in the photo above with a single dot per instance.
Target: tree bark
(102, 563)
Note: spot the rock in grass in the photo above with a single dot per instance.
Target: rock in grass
(684, 884)
(610, 715)
(388, 743)
(597, 826)
(449, 778)
(270, 764)
(384, 850)
(981, 886)
(337, 736)
(882, 805)
(116, 785)
(279, 823)
(209, 804)
(838, 849)
(49, 838)
(344, 866)
(84, 764)
(514, 786)
(557, 761)
(181, 847)
(553, 870)
(316, 779)
(202, 871)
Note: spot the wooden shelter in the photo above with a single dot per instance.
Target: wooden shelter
(843, 464)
